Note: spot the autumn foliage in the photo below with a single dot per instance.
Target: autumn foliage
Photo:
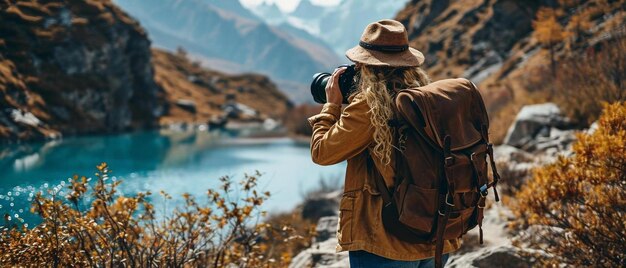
(118, 231)
(575, 207)
(548, 31)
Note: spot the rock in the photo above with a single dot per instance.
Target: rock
(25, 118)
(558, 140)
(322, 252)
(321, 255)
(592, 128)
(326, 228)
(187, 105)
(499, 256)
(493, 256)
(234, 110)
(535, 121)
(509, 154)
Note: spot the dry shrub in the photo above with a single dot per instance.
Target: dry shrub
(296, 224)
(578, 203)
(116, 230)
(584, 81)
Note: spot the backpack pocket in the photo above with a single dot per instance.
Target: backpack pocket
(458, 223)
(461, 172)
(418, 208)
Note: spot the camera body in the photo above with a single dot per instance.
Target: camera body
(346, 83)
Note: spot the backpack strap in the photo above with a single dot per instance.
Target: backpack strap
(492, 162)
(444, 204)
(378, 179)
(400, 164)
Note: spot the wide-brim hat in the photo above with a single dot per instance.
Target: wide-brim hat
(385, 43)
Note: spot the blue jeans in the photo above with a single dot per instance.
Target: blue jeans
(364, 259)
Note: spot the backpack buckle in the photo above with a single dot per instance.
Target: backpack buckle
(448, 203)
(490, 148)
(449, 161)
(483, 190)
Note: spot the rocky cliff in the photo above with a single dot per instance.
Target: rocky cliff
(483, 39)
(73, 67)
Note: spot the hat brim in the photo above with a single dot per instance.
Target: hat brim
(408, 58)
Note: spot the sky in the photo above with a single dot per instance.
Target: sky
(288, 5)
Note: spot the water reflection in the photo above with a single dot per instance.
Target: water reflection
(174, 161)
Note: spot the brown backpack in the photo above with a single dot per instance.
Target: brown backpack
(441, 177)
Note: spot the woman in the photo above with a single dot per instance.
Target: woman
(385, 64)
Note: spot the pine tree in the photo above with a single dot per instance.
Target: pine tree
(548, 32)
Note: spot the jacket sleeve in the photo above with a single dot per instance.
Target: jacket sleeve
(339, 136)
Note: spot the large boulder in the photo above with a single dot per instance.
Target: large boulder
(535, 121)
(494, 256)
(541, 128)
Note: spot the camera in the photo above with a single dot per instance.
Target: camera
(346, 83)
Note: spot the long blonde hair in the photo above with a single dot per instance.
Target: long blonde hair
(378, 85)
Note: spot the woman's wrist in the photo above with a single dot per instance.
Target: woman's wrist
(333, 109)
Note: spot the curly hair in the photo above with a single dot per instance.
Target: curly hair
(378, 86)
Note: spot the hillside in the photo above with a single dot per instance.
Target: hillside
(85, 67)
(216, 34)
(495, 44)
(197, 95)
(73, 67)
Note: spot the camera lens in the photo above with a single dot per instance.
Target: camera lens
(318, 87)
(346, 83)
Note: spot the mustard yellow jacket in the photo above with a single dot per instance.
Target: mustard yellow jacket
(347, 135)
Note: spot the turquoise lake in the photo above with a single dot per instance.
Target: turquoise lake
(174, 161)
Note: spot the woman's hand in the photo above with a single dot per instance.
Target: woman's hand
(333, 92)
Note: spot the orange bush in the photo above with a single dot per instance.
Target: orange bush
(577, 204)
(116, 230)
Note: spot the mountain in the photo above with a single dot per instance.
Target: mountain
(270, 13)
(307, 10)
(232, 6)
(340, 26)
(73, 68)
(197, 95)
(218, 35)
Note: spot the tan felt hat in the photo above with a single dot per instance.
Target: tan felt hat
(385, 43)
